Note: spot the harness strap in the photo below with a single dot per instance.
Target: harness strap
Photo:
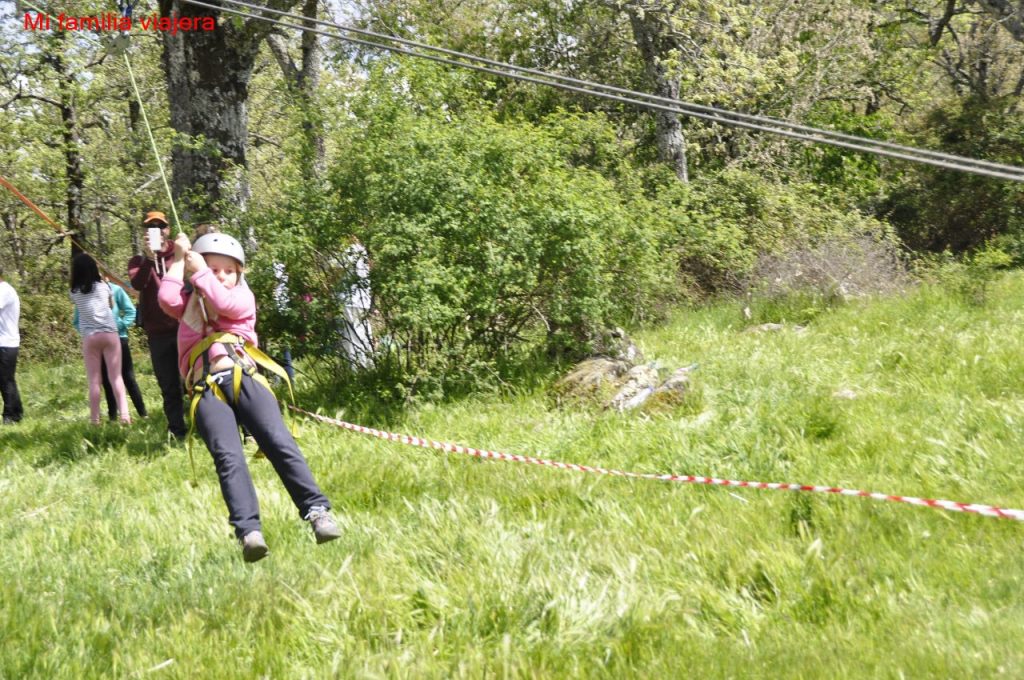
(197, 393)
(236, 345)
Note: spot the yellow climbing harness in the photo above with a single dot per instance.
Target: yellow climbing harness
(246, 358)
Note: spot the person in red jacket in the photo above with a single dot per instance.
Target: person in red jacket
(146, 272)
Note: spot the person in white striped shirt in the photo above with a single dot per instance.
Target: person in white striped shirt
(93, 304)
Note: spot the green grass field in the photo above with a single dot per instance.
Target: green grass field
(113, 565)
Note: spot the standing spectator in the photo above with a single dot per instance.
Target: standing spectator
(124, 316)
(281, 303)
(356, 335)
(95, 320)
(146, 271)
(10, 341)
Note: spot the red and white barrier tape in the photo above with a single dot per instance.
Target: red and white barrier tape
(954, 506)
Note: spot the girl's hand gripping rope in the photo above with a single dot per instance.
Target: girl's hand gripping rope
(182, 247)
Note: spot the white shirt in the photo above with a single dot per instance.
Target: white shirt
(355, 261)
(10, 312)
(281, 287)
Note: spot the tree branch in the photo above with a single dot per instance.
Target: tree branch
(1009, 17)
(280, 51)
(935, 33)
(22, 95)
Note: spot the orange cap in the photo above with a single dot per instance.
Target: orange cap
(155, 215)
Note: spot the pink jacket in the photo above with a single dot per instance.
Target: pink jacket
(230, 310)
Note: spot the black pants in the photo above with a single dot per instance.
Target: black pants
(163, 350)
(8, 386)
(130, 385)
(256, 408)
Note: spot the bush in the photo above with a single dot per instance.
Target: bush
(937, 210)
(486, 240)
(802, 281)
(493, 242)
(46, 330)
(967, 277)
(725, 224)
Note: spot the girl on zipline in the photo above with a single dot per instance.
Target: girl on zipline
(218, 357)
(100, 342)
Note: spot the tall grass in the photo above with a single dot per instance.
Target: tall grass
(113, 565)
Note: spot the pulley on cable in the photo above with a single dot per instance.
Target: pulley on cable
(117, 43)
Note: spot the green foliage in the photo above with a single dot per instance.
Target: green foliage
(936, 210)
(969, 277)
(724, 222)
(854, 178)
(41, 72)
(486, 239)
(46, 331)
(491, 239)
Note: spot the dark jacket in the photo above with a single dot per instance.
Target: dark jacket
(144, 278)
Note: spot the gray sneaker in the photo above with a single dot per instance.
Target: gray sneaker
(254, 548)
(324, 527)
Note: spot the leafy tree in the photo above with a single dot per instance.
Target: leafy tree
(208, 104)
(973, 109)
(485, 239)
(82, 158)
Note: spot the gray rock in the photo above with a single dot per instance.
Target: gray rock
(640, 384)
(615, 344)
(591, 377)
(678, 382)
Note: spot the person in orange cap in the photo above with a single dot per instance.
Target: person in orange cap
(146, 271)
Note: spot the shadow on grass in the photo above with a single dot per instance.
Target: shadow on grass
(61, 442)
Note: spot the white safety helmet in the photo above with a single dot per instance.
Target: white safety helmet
(219, 244)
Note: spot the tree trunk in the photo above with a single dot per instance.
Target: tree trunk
(137, 154)
(309, 81)
(100, 245)
(1010, 15)
(304, 82)
(17, 245)
(208, 76)
(71, 142)
(652, 39)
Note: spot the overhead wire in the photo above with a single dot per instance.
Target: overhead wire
(649, 97)
(152, 143)
(644, 100)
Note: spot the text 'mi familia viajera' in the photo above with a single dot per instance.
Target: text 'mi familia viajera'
(110, 21)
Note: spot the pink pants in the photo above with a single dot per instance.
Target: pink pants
(105, 346)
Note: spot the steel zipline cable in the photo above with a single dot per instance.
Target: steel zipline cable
(685, 107)
(644, 100)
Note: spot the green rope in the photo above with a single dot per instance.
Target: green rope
(152, 142)
(174, 210)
